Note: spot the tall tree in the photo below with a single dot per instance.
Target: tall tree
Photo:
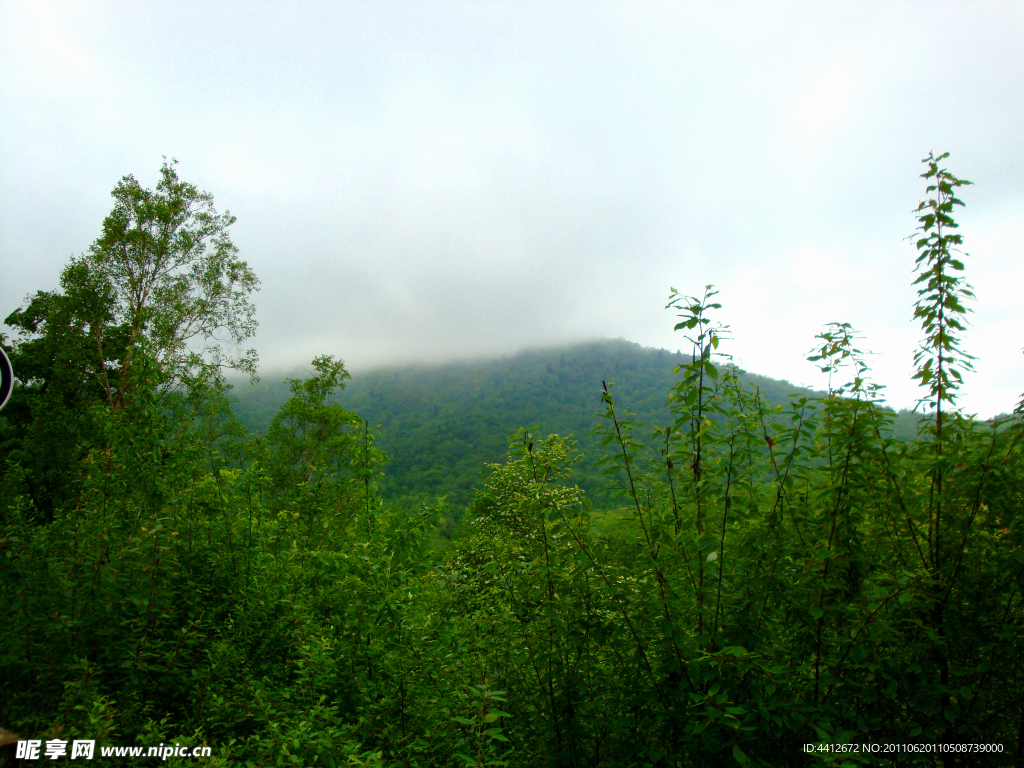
(940, 360)
(940, 306)
(160, 302)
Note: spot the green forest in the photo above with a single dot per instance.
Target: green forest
(599, 555)
(441, 425)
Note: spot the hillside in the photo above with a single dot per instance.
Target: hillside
(441, 425)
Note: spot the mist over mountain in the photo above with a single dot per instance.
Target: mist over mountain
(441, 425)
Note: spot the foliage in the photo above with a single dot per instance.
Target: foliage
(940, 306)
(163, 274)
(155, 308)
(442, 425)
(318, 456)
(774, 575)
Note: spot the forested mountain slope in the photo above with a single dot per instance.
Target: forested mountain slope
(441, 424)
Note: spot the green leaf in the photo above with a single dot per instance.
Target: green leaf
(740, 755)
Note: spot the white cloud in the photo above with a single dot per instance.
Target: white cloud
(432, 181)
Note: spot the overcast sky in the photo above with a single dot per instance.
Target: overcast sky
(428, 181)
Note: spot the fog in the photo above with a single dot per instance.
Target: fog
(419, 182)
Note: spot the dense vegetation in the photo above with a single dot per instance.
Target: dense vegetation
(784, 575)
(440, 425)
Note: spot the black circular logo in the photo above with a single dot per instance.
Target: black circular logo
(6, 378)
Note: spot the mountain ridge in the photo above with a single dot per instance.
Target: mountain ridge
(442, 424)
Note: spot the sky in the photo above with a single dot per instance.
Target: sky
(427, 181)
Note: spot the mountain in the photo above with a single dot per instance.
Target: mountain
(442, 424)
